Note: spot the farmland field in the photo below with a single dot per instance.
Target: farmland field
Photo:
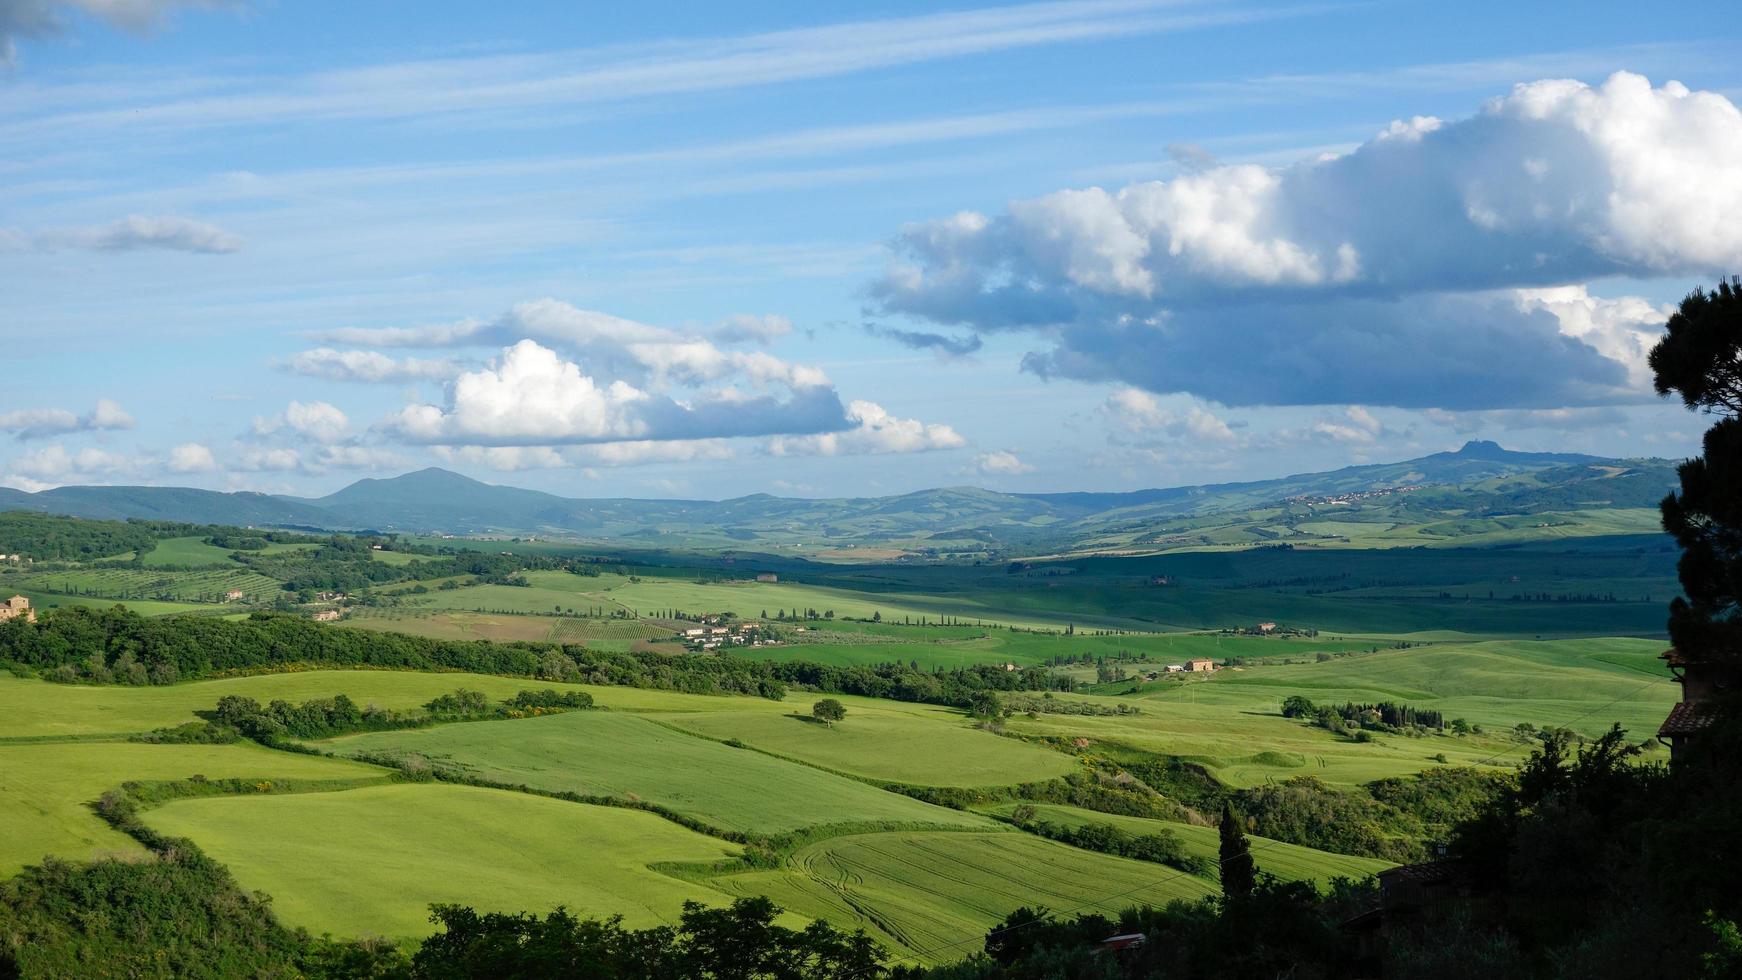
(918, 744)
(370, 861)
(1290, 862)
(186, 551)
(128, 584)
(928, 894)
(145, 607)
(45, 788)
(596, 753)
(36, 709)
(605, 634)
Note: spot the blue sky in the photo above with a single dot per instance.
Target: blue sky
(706, 250)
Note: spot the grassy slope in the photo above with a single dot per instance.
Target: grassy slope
(880, 739)
(32, 708)
(622, 755)
(885, 740)
(1291, 862)
(920, 892)
(120, 584)
(1231, 721)
(145, 607)
(1585, 684)
(370, 861)
(185, 551)
(45, 788)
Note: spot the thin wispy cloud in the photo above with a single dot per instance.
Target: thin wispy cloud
(497, 83)
(139, 232)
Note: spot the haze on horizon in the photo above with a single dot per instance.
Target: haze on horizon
(652, 252)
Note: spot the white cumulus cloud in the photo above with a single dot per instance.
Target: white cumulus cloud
(873, 430)
(1142, 416)
(191, 457)
(316, 421)
(36, 423)
(1437, 265)
(1000, 462)
(533, 396)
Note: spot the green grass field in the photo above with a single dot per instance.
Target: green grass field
(370, 861)
(1290, 862)
(917, 744)
(186, 551)
(1231, 721)
(1582, 684)
(35, 709)
(932, 896)
(131, 584)
(45, 789)
(856, 643)
(598, 753)
(145, 607)
(884, 740)
(603, 634)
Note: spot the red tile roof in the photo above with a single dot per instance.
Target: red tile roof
(1687, 718)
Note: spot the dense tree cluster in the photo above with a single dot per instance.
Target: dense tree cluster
(740, 942)
(237, 717)
(1303, 810)
(1276, 929)
(49, 537)
(178, 916)
(1384, 716)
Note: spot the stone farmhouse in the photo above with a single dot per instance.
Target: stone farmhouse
(16, 607)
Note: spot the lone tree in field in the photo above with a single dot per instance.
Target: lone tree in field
(986, 705)
(828, 711)
(1700, 358)
(1239, 873)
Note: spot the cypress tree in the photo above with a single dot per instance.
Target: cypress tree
(1239, 873)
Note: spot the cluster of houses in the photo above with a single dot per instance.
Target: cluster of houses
(13, 559)
(1351, 497)
(1201, 665)
(717, 631)
(17, 607)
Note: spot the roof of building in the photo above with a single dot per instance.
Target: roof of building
(1678, 658)
(1124, 941)
(1427, 872)
(1688, 718)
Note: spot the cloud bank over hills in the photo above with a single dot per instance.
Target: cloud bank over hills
(1438, 265)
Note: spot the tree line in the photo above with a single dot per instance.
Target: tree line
(116, 645)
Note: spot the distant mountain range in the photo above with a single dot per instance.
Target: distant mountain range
(1479, 482)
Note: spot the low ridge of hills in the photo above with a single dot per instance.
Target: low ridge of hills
(1480, 489)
